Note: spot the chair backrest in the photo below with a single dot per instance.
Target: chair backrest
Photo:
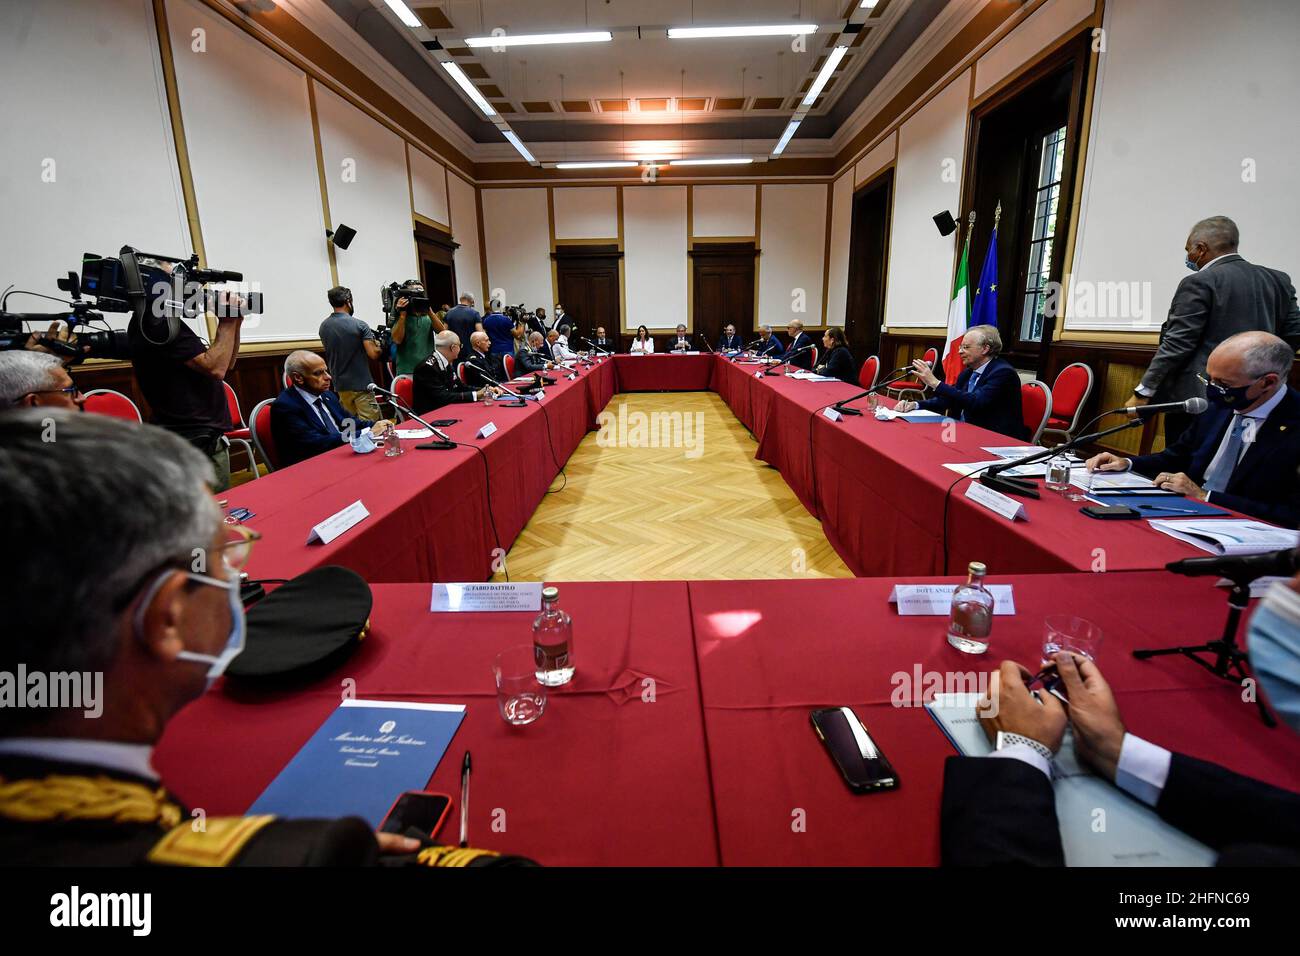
(404, 386)
(105, 401)
(1036, 406)
(510, 365)
(813, 353)
(870, 369)
(263, 439)
(232, 403)
(1070, 393)
(460, 374)
(931, 356)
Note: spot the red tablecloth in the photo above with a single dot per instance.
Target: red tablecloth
(770, 652)
(664, 372)
(604, 777)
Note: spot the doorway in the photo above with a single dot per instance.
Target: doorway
(868, 266)
(722, 275)
(437, 267)
(586, 278)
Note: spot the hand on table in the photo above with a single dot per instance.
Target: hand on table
(1108, 462)
(1012, 709)
(1177, 481)
(904, 406)
(1094, 715)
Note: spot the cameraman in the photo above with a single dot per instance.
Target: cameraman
(182, 382)
(414, 328)
(350, 344)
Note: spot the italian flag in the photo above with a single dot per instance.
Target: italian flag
(958, 315)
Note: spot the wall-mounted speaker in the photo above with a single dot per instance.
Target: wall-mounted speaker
(947, 225)
(343, 235)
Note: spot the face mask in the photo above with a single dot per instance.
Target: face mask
(218, 663)
(1273, 643)
(363, 443)
(1234, 398)
(1191, 265)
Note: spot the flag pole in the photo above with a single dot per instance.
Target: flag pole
(997, 216)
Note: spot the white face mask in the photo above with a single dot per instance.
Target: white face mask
(217, 663)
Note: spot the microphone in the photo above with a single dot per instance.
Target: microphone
(1192, 406)
(1241, 568)
(786, 360)
(706, 341)
(483, 374)
(443, 442)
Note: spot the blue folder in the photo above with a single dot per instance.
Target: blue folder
(1163, 506)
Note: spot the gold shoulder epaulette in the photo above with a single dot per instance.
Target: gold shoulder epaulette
(217, 844)
(451, 855)
(65, 797)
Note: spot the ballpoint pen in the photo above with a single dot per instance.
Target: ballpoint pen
(464, 800)
(1172, 511)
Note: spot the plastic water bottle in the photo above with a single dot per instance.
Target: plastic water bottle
(553, 641)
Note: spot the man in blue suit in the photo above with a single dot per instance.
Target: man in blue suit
(768, 344)
(1242, 453)
(987, 392)
(799, 339)
(730, 341)
(307, 418)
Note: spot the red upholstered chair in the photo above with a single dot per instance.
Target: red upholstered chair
(870, 370)
(1036, 406)
(263, 439)
(105, 401)
(510, 365)
(931, 358)
(1070, 394)
(240, 434)
(460, 374)
(814, 357)
(404, 386)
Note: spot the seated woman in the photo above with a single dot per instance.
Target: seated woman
(839, 360)
(643, 344)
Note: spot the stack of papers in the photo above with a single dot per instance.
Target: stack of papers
(1230, 535)
(918, 415)
(1108, 480)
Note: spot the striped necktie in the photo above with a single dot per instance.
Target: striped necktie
(1217, 478)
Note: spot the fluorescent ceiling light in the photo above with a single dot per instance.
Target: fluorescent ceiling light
(537, 39)
(773, 30)
(518, 144)
(713, 161)
(785, 137)
(470, 89)
(828, 68)
(404, 13)
(598, 164)
(869, 4)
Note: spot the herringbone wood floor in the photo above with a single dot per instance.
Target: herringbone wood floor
(653, 513)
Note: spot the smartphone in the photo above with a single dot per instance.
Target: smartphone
(416, 808)
(444, 422)
(864, 768)
(1110, 512)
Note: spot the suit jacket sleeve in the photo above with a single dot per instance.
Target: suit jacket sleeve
(296, 436)
(1220, 808)
(997, 811)
(1174, 458)
(1183, 331)
(433, 388)
(1285, 512)
(1000, 387)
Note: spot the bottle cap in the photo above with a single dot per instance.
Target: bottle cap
(550, 593)
(975, 567)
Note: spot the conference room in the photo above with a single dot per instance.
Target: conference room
(836, 433)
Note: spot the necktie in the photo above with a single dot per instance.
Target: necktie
(970, 387)
(326, 417)
(1216, 479)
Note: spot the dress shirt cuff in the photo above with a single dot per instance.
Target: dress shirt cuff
(1144, 391)
(1026, 754)
(1143, 769)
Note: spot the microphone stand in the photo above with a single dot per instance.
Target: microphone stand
(993, 478)
(841, 406)
(441, 443)
(706, 342)
(519, 402)
(772, 370)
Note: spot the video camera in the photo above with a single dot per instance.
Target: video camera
(157, 290)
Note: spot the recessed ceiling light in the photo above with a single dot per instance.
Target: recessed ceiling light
(827, 69)
(518, 144)
(598, 164)
(785, 137)
(538, 39)
(713, 161)
(772, 30)
(404, 13)
(468, 86)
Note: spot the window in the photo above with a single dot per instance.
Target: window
(1047, 197)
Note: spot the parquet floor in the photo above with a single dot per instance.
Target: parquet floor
(701, 508)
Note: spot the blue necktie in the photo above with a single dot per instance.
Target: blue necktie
(1216, 479)
(970, 387)
(326, 417)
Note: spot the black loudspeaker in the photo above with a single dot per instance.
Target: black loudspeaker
(343, 235)
(947, 225)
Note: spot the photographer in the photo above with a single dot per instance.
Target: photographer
(350, 344)
(182, 382)
(414, 328)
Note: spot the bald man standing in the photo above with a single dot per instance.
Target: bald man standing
(1243, 453)
(1224, 295)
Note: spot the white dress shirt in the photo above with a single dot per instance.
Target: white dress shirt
(1142, 771)
(317, 404)
(135, 759)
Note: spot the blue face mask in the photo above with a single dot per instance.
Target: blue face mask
(363, 443)
(217, 663)
(1273, 643)
(1191, 265)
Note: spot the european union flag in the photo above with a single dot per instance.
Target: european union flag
(985, 309)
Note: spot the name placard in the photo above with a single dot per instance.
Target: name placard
(936, 599)
(996, 501)
(489, 429)
(522, 596)
(832, 414)
(335, 525)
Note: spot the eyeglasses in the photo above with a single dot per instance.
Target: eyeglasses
(238, 544)
(1222, 390)
(72, 391)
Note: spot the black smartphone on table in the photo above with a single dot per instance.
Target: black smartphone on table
(861, 763)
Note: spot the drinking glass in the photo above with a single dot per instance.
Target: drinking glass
(520, 698)
(1066, 632)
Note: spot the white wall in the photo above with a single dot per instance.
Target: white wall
(464, 231)
(1192, 99)
(586, 212)
(793, 244)
(837, 280)
(654, 255)
(255, 174)
(517, 233)
(428, 186)
(365, 178)
(1044, 27)
(880, 156)
(65, 69)
(927, 179)
(723, 210)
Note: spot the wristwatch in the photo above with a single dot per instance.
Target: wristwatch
(1006, 740)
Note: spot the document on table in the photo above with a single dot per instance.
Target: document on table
(1230, 535)
(413, 433)
(1107, 480)
(918, 415)
(1134, 835)
(1015, 451)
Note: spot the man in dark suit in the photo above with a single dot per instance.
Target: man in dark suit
(531, 358)
(730, 341)
(307, 418)
(603, 342)
(987, 392)
(768, 344)
(1243, 452)
(681, 342)
(1002, 811)
(1224, 295)
(799, 339)
(483, 367)
(464, 320)
(435, 381)
(537, 321)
